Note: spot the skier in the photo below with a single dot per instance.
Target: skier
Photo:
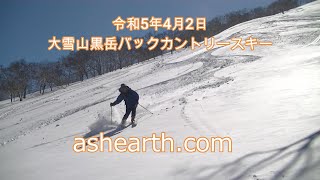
(131, 99)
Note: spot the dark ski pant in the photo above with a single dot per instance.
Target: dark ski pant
(129, 110)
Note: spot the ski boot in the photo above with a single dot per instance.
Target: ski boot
(123, 123)
(133, 123)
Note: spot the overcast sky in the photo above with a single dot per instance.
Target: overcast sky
(26, 26)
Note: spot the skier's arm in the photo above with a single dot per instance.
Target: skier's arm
(119, 99)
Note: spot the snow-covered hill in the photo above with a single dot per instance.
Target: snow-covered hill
(266, 100)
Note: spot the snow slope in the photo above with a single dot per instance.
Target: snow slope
(266, 100)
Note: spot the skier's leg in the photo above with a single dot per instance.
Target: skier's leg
(133, 114)
(126, 115)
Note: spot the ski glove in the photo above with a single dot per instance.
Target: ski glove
(112, 104)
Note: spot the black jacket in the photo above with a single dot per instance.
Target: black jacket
(131, 98)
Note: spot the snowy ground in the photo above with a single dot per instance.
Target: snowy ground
(266, 100)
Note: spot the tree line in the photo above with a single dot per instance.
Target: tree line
(22, 77)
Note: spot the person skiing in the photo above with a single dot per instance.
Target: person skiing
(131, 99)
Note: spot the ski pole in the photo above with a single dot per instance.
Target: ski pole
(111, 114)
(145, 108)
